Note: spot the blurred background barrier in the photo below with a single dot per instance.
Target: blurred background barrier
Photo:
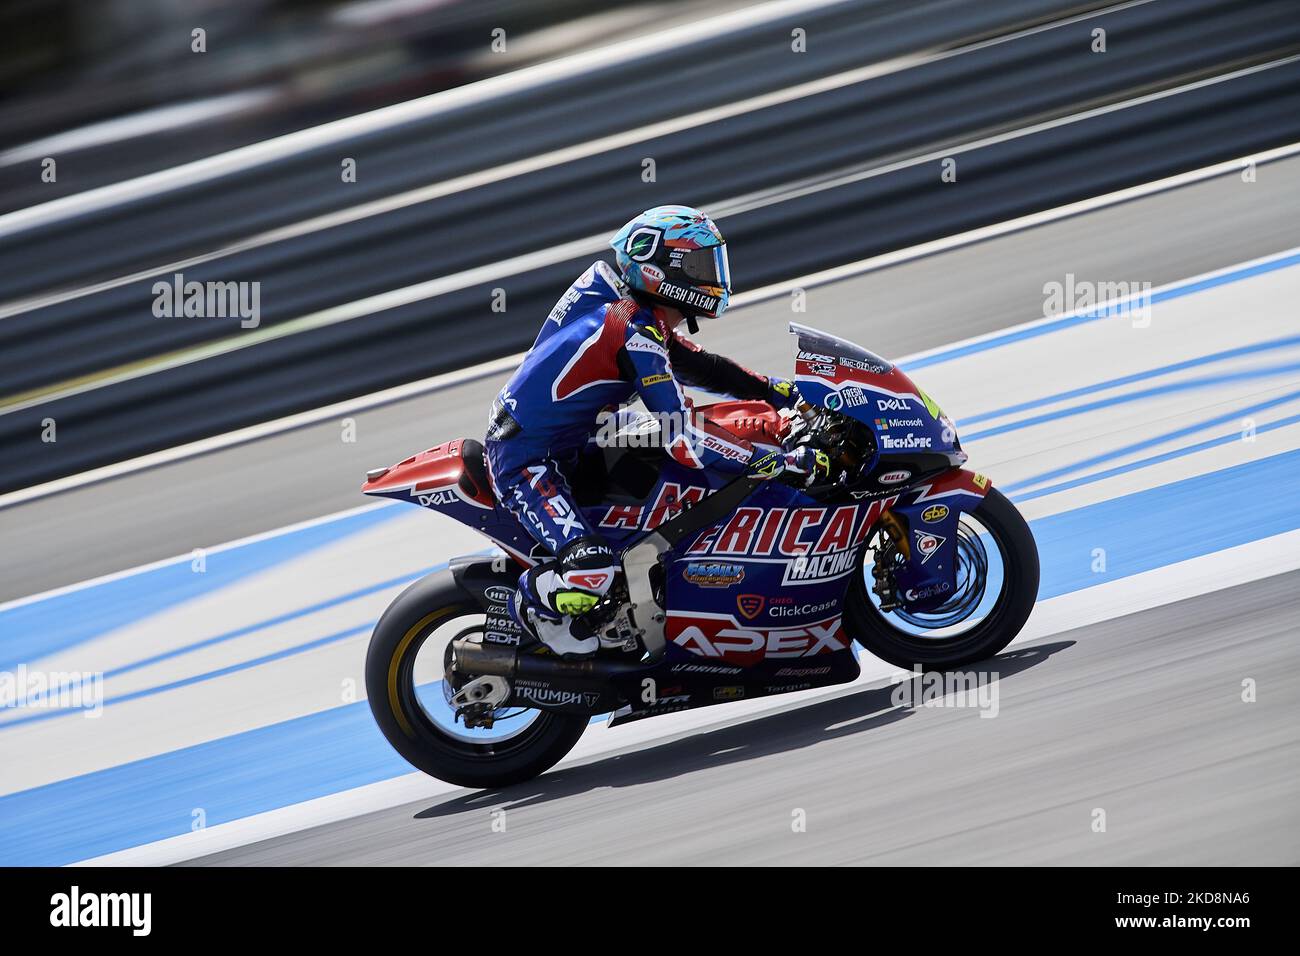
(818, 133)
(120, 82)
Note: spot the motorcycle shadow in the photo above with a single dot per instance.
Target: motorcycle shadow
(855, 712)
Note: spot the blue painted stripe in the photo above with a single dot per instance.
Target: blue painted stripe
(1161, 526)
(230, 635)
(1069, 322)
(225, 779)
(31, 631)
(1230, 438)
(1144, 376)
(43, 715)
(339, 749)
(1135, 447)
(269, 622)
(1170, 388)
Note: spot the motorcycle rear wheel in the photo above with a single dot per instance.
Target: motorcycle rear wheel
(875, 631)
(434, 603)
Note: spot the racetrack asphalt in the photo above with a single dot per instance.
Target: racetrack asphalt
(1141, 718)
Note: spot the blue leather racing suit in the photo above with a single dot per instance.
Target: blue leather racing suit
(596, 350)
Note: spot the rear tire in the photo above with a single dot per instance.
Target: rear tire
(421, 609)
(873, 630)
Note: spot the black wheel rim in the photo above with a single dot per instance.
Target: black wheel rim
(425, 704)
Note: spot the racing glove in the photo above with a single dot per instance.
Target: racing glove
(809, 461)
(782, 392)
(813, 463)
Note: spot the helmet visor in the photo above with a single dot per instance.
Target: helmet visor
(708, 266)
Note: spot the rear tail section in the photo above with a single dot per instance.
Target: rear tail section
(450, 477)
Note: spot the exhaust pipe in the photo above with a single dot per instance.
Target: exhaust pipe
(502, 660)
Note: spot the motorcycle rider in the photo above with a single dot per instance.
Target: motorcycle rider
(610, 337)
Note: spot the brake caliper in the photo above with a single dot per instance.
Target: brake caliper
(887, 553)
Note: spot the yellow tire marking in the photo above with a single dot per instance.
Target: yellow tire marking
(394, 703)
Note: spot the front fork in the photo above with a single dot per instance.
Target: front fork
(890, 544)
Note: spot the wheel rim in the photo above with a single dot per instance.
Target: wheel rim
(426, 694)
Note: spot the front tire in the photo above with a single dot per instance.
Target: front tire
(428, 605)
(874, 630)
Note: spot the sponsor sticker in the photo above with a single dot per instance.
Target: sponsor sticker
(643, 244)
(691, 297)
(803, 671)
(555, 697)
(713, 574)
(929, 591)
(909, 440)
(640, 343)
(443, 496)
(735, 643)
(750, 605)
(875, 368)
(653, 275)
(706, 669)
(934, 513)
(801, 610)
(927, 543)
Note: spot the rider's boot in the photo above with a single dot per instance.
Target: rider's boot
(553, 596)
(553, 630)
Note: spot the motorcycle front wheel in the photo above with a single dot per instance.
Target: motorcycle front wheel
(999, 559)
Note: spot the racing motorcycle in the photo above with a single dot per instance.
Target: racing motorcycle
(733, 587)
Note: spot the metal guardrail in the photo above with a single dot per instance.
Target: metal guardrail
(979, 98)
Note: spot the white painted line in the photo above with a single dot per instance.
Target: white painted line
(1140, 592)
(256, 154)
(171, 117)
(470, 181)
(215, 549)
(584, 150)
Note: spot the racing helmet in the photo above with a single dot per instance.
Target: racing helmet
(676, 256)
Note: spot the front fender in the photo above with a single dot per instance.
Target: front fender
(925, 522)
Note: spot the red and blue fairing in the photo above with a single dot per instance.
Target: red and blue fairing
(917, 455)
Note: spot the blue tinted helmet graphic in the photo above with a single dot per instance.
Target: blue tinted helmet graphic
(677, 256)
